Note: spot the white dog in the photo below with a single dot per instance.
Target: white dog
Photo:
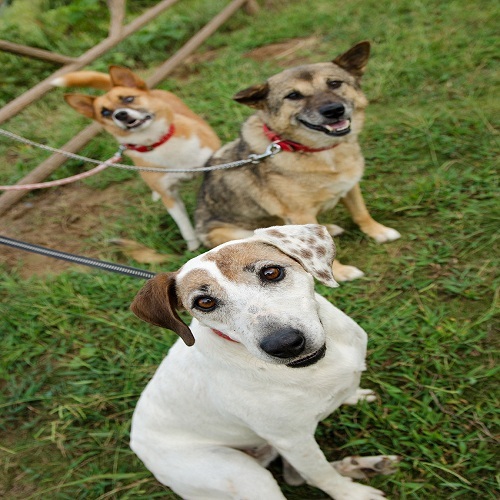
(272, 358)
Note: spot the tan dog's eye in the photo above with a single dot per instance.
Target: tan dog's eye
(294, 96)
(334, 84)
(272, 273)
(128, 99)
(106, 112)
(205, 303)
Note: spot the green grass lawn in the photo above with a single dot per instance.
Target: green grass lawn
(73, 357)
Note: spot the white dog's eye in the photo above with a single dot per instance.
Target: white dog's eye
(205, 303)
(272, 273)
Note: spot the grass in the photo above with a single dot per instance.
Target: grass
(74, 360)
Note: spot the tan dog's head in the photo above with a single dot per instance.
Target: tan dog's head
(127, 110)
(314, 104)
(258, 292)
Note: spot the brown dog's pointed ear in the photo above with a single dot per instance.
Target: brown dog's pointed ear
(84, 104)
(123, 77)
(355, 59)
(310, 245)
(157, 304)
(253, 96)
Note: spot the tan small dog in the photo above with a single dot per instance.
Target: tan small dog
(155, 126)
(315, 113)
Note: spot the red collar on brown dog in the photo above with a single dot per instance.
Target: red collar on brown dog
(145, 149)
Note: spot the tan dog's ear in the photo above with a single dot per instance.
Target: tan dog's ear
(253, 96)
(84, 104)
(310, 244)
(355, 59)
(157, 303)
(123, 77)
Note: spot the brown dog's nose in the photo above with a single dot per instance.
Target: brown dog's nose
(332, 110)
(121, 115)
(284, 343)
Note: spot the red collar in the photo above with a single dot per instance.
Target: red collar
(145, 149)
(223, 335)
(291, 146)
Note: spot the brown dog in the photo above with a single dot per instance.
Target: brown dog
(315, 112)
(155, 126)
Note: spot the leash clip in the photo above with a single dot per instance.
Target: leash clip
(273, 149)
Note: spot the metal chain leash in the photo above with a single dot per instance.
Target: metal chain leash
(271, 150)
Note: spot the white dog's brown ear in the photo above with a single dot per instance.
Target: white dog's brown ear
(157, 304)
(84, 104)
(123, 77)
(310, 244)
(254, 96)
(355, 59)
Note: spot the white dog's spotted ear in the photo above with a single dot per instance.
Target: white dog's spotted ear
(311, 245)
(157, 304)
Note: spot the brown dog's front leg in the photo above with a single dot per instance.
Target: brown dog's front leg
(355, 203)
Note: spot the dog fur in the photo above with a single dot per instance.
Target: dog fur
(133, 114)
(271, 359)
(319, 106)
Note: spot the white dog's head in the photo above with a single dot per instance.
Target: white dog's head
(258, 292)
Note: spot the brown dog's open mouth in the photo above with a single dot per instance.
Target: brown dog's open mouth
(336, 129)
(308, 360)
(138, 122)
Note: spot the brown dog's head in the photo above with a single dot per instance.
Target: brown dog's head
(127, 109)
(258, 291)
(316, 102)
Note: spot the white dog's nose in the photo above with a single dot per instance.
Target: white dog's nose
(284, 343)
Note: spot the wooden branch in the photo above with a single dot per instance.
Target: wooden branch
(24, 50)
(45, 168)
(13, 107)
(117, 15)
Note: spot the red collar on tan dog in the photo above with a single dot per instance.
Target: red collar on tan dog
(291, 146)
(223, 335)
(145, 149)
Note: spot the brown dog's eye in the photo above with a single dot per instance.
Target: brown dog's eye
(205, 303)
(272, 273)
(106, 112)
(294, 96)
(128, 99)
(334, 84)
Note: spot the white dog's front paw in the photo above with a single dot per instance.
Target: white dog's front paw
(356, 491)
(361, 395)
(345, 273)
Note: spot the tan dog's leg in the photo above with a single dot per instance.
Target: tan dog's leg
(174, 206)
(354, 202)
(223, 234)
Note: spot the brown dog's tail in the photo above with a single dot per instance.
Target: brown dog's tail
(92, 79)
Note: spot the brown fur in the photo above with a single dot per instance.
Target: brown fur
(294, 187)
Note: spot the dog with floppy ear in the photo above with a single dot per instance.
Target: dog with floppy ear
(157, 129)
(264, 359)
(315, 113)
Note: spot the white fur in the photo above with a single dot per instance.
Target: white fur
(208, 404)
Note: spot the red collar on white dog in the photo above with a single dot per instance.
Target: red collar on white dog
(223, 335)
(145, 149)
(291, 146)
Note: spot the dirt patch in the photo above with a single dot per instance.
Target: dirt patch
(65, 219)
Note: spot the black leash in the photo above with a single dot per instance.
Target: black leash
(77, 259)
